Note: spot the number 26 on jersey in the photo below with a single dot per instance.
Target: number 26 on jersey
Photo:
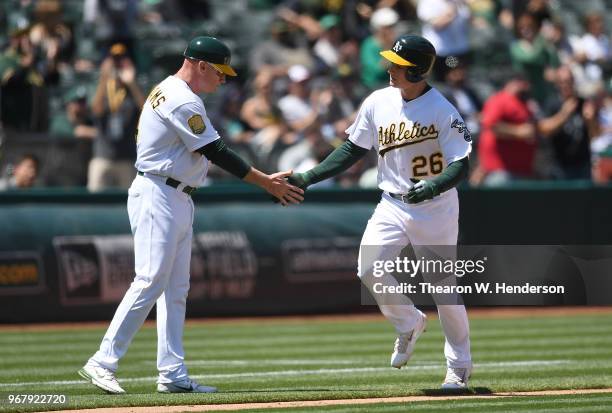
(423, 166)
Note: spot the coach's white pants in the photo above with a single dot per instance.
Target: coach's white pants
(162, 224)
(392, 227)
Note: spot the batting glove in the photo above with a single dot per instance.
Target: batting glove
(299, 180)
(295, 179)
(422, 191)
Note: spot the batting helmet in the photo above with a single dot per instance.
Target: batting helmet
(211, 50)
(414, 52)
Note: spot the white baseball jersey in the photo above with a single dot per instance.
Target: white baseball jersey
(173, 124)
(414, 139)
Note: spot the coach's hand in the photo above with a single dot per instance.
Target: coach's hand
(422, 191)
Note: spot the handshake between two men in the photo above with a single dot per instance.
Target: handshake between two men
(292, 190)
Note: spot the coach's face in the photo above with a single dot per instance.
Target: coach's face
(209, 77)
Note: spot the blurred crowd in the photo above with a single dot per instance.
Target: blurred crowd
(532, 79)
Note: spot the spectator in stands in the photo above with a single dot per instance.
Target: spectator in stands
(335, 102)
(446, 24)
(286, 46)
(261, 114)
(484, 14)
(594, 46)
(111, 21)
(46, 48)
(592, 54)
(236, 132)
(307, 153)
(532, 55)
(355, 18)
(296, 107)
(507, 143)
(373, 67)
(337, 58)
(77, 120)
(292, 13)
(327, 48)
(539, 9)
(462, 96)
(570, 127)
(556, 35)
(510, 132)
(116, 107)
(23, 103)
(23, 174)
(52, 39)
(332, 102)
(229, 122)
(601, 145)
(259, 111)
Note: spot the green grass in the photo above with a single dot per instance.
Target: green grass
(542, 404)
(276, 360)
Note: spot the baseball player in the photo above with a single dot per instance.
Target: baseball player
(423, 146)
(175, 142)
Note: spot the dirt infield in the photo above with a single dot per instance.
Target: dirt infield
(316, 403)
(480, 312)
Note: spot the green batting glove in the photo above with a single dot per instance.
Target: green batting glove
(422, 191)
(295, 179)
(299, 179)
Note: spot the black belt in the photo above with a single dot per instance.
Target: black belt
(175, 184)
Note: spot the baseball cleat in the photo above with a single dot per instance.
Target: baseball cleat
(405, 342)
(184, 386)
(457, 378)
(101, 378)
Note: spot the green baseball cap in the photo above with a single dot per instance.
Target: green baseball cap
(211, 50)
(328, 21)
(412, 51)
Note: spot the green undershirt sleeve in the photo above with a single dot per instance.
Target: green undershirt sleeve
(452, 176)
(342, 158)
(220, 154)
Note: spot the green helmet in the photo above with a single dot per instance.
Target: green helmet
(211, 50)
(414, 52)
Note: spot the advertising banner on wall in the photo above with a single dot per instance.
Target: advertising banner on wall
(21, 273)
(223, 266)
(79, 269)
(311, 260)
(99, 269)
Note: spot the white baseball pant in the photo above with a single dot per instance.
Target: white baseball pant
(161, 218)
(392, 227)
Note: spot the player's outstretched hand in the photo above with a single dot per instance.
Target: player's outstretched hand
(299, 180)
(283, 190)
(421, 191)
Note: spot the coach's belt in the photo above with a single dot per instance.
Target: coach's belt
(174, 184)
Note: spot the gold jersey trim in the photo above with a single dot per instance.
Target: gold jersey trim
(385, 150)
